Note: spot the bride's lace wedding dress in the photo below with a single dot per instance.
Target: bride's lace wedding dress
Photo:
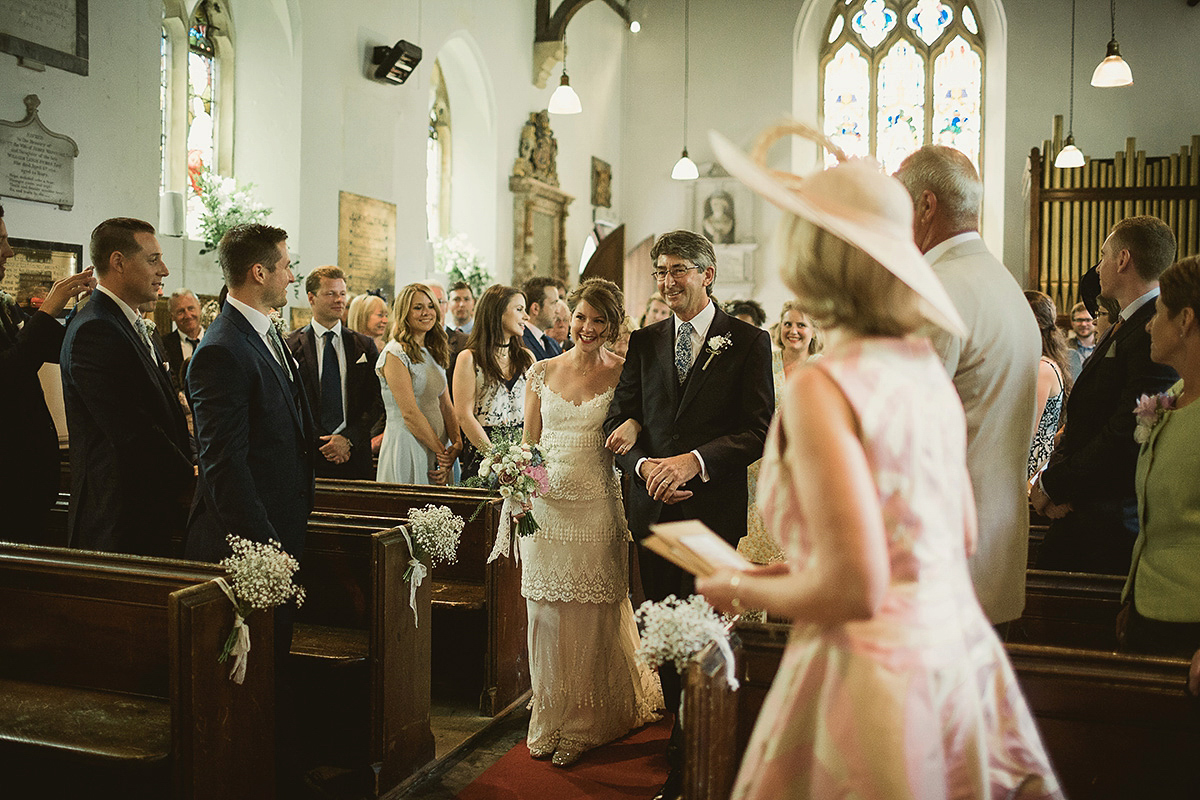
(588, 688)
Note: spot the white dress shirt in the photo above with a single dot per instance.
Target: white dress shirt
(261, 324)
(184, 345)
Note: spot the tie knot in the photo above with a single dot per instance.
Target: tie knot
(192, 342)
(685, 328)
(328, 336)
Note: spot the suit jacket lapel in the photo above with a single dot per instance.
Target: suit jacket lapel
(260, 347)
(1137, 320)
(699, 372)
(150, 362)
(665, 350)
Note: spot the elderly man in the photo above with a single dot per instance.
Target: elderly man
(994, 368)
(183, 341)
(131, 454)
(1087, 489)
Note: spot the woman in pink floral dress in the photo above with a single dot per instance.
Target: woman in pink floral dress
(893, 684)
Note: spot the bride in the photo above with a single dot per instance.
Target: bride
(588, 688)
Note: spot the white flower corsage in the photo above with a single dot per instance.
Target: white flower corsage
(7, 299)
(715, 346)
(151, 326)
(281, 327)
(1149, 412)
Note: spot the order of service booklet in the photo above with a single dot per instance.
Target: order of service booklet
(691, 545)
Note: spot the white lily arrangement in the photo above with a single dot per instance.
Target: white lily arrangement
(226, 204)
(260, 577)
(432, 531)
(458, 258)
(715, 346)
(675, 630)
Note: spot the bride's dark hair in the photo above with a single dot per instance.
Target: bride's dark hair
(606, 297)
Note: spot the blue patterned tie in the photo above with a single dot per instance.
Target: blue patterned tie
(331, 387)
(683, 351)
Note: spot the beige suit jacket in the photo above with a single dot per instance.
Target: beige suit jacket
(995, 371)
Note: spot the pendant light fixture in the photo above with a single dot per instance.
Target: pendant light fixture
(685, 168)
(1070, 156)
(1112, 71)
(564, 100)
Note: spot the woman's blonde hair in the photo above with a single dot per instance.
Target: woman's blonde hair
(839, 286)
(361, 309)
(815, 345)
(436, 341)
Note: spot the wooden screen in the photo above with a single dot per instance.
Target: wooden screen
(1073, 210)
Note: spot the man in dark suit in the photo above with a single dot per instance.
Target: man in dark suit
(338, 368)
(29, 469)
(541, 295)
(1087, 488)
(131, 463)
(183, 341)
(700, 385)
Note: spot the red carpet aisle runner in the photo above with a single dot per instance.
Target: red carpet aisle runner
(632, 768)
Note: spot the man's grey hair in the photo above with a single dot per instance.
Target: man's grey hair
(179, 294)
(951, 177)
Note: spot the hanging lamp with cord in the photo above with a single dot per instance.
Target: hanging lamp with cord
(1113, 70)
(685, 168)
(1070, 156)
(564, 100)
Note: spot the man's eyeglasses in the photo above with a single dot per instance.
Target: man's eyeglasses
(678, 273)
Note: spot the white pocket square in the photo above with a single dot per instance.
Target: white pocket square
(362, 359)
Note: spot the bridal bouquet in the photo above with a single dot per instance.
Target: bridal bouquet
(435, 533)
(675, 630)
(260, 577)
(518, 471)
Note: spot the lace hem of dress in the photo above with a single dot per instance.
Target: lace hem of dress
(645, 713)
(551, 586)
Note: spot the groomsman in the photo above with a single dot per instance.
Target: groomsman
(131, 463)
(338, 370)
(29, 468)
(541, 295)
(700, 385)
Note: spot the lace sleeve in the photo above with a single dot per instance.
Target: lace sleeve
(536, 377)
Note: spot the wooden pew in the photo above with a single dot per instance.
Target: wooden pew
(469, 595)
(1115, 725)
(362, 667)
(109, 677)
(1069, 609)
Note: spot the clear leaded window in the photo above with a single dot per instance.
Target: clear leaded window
(896, 75)
(438, 153)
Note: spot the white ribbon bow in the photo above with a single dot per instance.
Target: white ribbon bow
(504, 532)
(241, 647)
(727, 654)
(419, 571)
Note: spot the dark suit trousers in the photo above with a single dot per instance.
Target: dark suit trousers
(1097, 537)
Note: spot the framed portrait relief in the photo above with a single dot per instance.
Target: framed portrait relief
(723, 211)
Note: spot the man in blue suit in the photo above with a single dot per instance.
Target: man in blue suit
(254, 431)
(131, 456)
(541, 295)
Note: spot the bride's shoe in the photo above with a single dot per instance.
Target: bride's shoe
(545, 751)
(565, 758)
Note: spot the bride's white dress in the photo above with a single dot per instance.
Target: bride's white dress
(588, 687)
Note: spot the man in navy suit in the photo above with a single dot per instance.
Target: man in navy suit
(254, 431)
(29, 469)
(131, 463)
(338, 369)
(541, 295)
(700, 385)
(1087, 488)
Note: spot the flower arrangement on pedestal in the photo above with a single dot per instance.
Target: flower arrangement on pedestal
(260, 577)
(435, 532)
(675, 630)
(455, 256)
(226, 204)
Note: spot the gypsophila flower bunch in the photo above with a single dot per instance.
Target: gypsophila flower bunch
(281, 327)
(518, 471)
(1149, 412)
(675, 630)
(225, 205)
(435, 532)
(455, 256)
(261, 574)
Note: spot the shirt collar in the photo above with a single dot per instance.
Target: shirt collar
(537, 332)
(939, 250)
(320, 330)
(130, 313)
(700, 322)
(184, 337)
(1129, 310)
(258, 320)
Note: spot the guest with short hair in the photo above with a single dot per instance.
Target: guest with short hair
(542, 295)
(369, 316)
(1083, 342)
(750, 311)
(462, 307)
(184, 308)
(656, 310)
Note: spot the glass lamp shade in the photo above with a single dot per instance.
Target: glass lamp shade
(564, 100)
(685, 168)
(1070, 156)
(1112, 71)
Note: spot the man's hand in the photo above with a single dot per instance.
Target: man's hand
(336, 448)
(1038, 498)
(664, 476)
(1057, 511)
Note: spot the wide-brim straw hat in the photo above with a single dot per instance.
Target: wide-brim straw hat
(854, 201)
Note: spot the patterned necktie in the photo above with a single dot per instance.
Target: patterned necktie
(331, 386)
(683, 351)
(144, 331)
(277, 345)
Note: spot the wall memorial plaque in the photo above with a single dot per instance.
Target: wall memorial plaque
(36, 163)
(36, 265)
(53, 32)
(367, 243)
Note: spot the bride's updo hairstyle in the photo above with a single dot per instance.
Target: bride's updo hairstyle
(607, 298)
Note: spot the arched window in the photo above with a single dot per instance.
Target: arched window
(899, 74)
(438, 157)
(197, 96)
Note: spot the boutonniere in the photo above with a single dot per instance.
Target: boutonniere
(151, 326)
(1149, 412)
(714, 347)
(7, 300)
(280, 326)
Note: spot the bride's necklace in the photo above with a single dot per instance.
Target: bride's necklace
(585, 367)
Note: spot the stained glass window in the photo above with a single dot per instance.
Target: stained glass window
(437, 157)
(201, 106)
(899, 74)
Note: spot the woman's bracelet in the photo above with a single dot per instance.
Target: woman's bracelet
(735, 581)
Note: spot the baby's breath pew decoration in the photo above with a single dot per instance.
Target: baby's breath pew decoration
(675, 630)
(260, 577)
(435, 533)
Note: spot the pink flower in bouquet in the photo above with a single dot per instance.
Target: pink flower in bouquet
(538, 473)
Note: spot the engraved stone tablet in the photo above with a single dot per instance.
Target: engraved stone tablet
(36, 163)
(367, 242)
